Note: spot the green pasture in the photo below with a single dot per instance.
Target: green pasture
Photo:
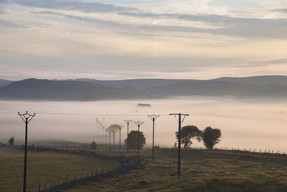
(202, 171)
(45, 168)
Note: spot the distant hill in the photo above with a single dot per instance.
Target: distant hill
(35, 89)
(276, 80)
(4, 83)
(90, 89)
(232, 87)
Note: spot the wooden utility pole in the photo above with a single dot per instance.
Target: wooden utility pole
(26, 117)
(128, 125)
(139, 123)
(153, 118)
(179, 140)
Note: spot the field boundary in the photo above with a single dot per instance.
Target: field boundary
(126, 164)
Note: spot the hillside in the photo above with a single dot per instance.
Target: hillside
(90, 89)
(4, 83)
(35, 89)
(201, 171)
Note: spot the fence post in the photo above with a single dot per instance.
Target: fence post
(67, 177)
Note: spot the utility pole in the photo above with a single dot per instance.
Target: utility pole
(128, 125)
(26, 117)
(104, 132)
(109, 139)
(179, 140)
(106, 136)
(138, 123)
(120, 138)
(153, 118)
(114, 139)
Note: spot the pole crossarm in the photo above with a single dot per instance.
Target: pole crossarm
(182, 114)
(26, 116)
(138, 123)
(153, 117)
(128, 121)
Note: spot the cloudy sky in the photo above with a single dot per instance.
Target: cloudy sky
(124, 39)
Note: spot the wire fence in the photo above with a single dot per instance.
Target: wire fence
(126, 164)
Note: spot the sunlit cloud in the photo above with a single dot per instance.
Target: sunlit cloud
(130, 39)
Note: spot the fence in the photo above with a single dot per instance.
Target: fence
(243, 153)
(126, 164)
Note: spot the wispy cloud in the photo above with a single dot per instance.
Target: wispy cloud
(199, 38)
(73, 5)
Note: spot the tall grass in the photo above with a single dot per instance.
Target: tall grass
(45, 168)
(202, 171)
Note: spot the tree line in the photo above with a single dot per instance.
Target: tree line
(209, 136)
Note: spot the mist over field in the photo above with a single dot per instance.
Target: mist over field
(245, 124)
(160, 49)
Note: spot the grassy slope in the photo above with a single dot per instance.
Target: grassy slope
(201, 171)
(44, 167)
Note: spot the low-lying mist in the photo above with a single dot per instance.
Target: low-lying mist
(245, 124)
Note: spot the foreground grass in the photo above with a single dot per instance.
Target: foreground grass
(44, 168)
(201, 171)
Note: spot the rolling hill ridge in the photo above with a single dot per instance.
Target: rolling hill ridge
(90, 89)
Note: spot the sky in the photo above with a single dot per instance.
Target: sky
(127, 39)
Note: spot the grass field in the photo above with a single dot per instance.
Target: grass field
(201, 171)
(44, 168)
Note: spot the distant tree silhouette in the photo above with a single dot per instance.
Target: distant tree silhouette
(211, 137)
(11, 141)
(93, 145)
(187, 133)
(132, 140)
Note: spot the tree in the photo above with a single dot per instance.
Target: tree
(11, 141)
(211, 137)
(187, 133)
(132, 140)
(93, 145)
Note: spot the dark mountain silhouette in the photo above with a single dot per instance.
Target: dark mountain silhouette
(258, 80)
(35, 89)
(4, 83)
(90, 89)
(137, 84)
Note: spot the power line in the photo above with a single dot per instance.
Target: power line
(97, 114)
(86, 114)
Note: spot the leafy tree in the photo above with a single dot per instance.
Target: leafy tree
(93, 145)
(132, 140)
(187, 133)
(211, 137)
(11, 141)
